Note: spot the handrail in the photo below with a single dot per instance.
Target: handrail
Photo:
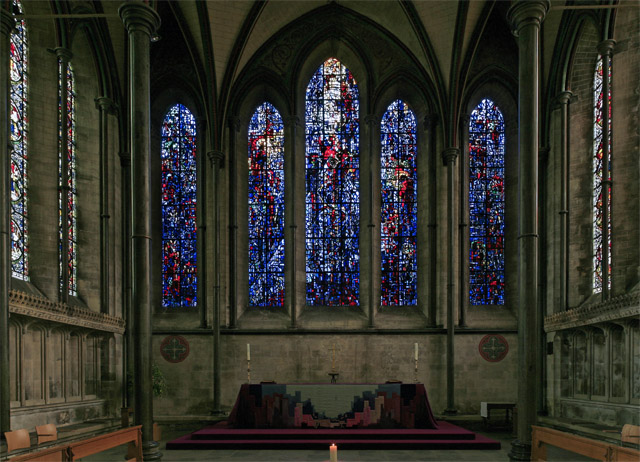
(598, 450)
(83, 448)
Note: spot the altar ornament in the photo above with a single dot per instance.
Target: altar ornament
(333, 453)
(248, 363)
(415, 357)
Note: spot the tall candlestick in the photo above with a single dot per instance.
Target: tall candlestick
(415, 351)
(333, 453)
(248, 352)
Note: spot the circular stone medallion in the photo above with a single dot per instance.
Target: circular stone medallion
(174, 348)
(493, 348)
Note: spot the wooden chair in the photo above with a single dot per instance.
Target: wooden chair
(47, 432)
(17, 439)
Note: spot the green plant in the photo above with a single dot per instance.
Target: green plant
(159, 382)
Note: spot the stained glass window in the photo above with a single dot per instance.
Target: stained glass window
(19, 121)
(486, 205)
(598, 167)
(332, 186)
(178, 158)
(266, 207)
(398, 221)
(71, 194)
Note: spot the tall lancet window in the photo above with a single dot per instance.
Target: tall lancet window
(178, 208)
(332, 186)
(486, 205)
(598, 176)
(19, 122)
(266, 207)
(398, 221)
(68, 191)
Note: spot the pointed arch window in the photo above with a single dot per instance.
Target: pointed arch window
(178, 208)
(486, 204)
(266, 207)
(398, 227)
(332, 186)
(19, 126)
(599, 176)
(67, 178)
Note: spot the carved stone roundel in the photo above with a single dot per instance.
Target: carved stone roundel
(174, 348)
(493, 348)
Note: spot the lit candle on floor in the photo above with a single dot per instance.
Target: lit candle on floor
(248, 352)
(415, 351)
(333, 453)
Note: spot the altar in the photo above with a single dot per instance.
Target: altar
(330, 405)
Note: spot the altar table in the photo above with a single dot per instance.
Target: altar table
(331, 405)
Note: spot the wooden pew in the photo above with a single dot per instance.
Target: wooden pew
(598, 450)
(79, 449)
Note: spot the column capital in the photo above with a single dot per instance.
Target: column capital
(605, 48)
(125, 159)
(526, 13)
(564, 97)
(105, 104)
(450, 155)
(138, 16)
(370, 119)
(216, 158)
(293, 121)
(64, 54)
(7, 22)
(234, 123)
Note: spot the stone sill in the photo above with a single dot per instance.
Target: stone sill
(619, 308)
(39, 307)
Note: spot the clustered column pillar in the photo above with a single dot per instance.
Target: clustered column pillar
(371, 120)
(234, 128)
(526, 17)
(7, 24)
(605, 48)
(216, 158)
(449, 157)
(106, 107)
(293, 122)
(64, 57)
(430, 123)
(463, 240)
(141, 22)
(563, 100)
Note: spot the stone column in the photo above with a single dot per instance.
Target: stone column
(563, 99)
(371, 120)
(526, 17)
(463, 239)
(64, 57)
(141, 22)
(293, 122)
(216, 158)
(106, 107)
(449, 157)
(7, 24)
(201, 218)
(605, 48)
(430, 123)
(234, 128)
(125, 164)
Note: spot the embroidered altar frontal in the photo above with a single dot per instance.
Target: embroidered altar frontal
(392, 405)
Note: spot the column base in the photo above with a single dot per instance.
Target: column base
(450, 411)
(217, 413)
(150, 450)
(520, 451)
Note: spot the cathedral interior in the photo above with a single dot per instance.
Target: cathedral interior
(197, 194)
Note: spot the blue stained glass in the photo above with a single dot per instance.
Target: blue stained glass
(486, 205)
(71, 193)
(178, 208)
(598, 169)
(332, 186)
(19, 122)
(398, 230)
(266, 207)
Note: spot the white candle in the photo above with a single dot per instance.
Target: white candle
(333, 453)
(248, 352)
(415, 351)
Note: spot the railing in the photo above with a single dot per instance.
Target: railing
(79, 449)
(598, 450)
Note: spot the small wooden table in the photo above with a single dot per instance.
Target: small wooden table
(485, 412)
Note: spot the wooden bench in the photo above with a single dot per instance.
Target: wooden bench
(598, 450)
(79, 449)
(485, 412)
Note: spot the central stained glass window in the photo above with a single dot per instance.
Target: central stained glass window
(266, 207)
(486, 205)
(398, 221)
(178, 158)
(332, 186)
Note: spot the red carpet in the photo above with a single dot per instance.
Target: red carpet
(446, 436)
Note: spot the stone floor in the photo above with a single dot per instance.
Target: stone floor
(240, 455)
